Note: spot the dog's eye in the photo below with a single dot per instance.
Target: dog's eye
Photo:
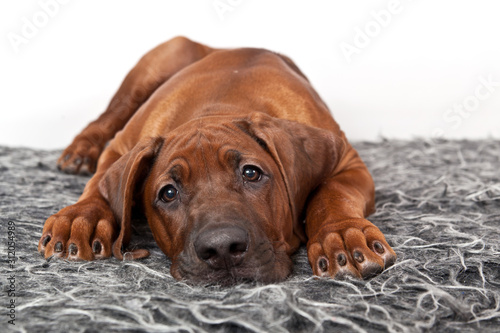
(251, 173)
(168, 193)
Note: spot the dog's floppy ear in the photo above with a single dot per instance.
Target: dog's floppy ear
(120, 185)
(304, 154)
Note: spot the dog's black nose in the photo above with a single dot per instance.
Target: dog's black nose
(222, 247)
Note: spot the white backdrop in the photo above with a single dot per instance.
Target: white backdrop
(386, 68)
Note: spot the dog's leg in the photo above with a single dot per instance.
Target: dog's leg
(87, 229)
(341, 241)
(156, 67)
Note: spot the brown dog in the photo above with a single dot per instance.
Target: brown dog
(234, 160)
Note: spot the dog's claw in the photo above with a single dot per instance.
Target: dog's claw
(46, 240)
(378, 247)
(58, 247)
(96, 247)
(73, 249)
(341, 259)
(323, 264)
(358, 256)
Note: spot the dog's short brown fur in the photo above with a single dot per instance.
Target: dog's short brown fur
(234, 160)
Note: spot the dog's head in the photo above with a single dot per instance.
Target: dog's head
(224, 197)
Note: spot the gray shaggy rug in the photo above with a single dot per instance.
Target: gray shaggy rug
(437, 203)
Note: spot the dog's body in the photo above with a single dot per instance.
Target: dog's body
(227, 153)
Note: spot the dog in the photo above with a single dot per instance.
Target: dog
(233, 159)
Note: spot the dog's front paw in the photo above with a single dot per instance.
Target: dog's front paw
(352, 247)
(81, 156)
(85, 230)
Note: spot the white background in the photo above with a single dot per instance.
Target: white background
(404, 83)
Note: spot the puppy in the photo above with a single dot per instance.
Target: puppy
(233, 159)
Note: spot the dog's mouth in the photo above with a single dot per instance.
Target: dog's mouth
(262, 264)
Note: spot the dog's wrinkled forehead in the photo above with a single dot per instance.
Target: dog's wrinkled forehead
(208, 147)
